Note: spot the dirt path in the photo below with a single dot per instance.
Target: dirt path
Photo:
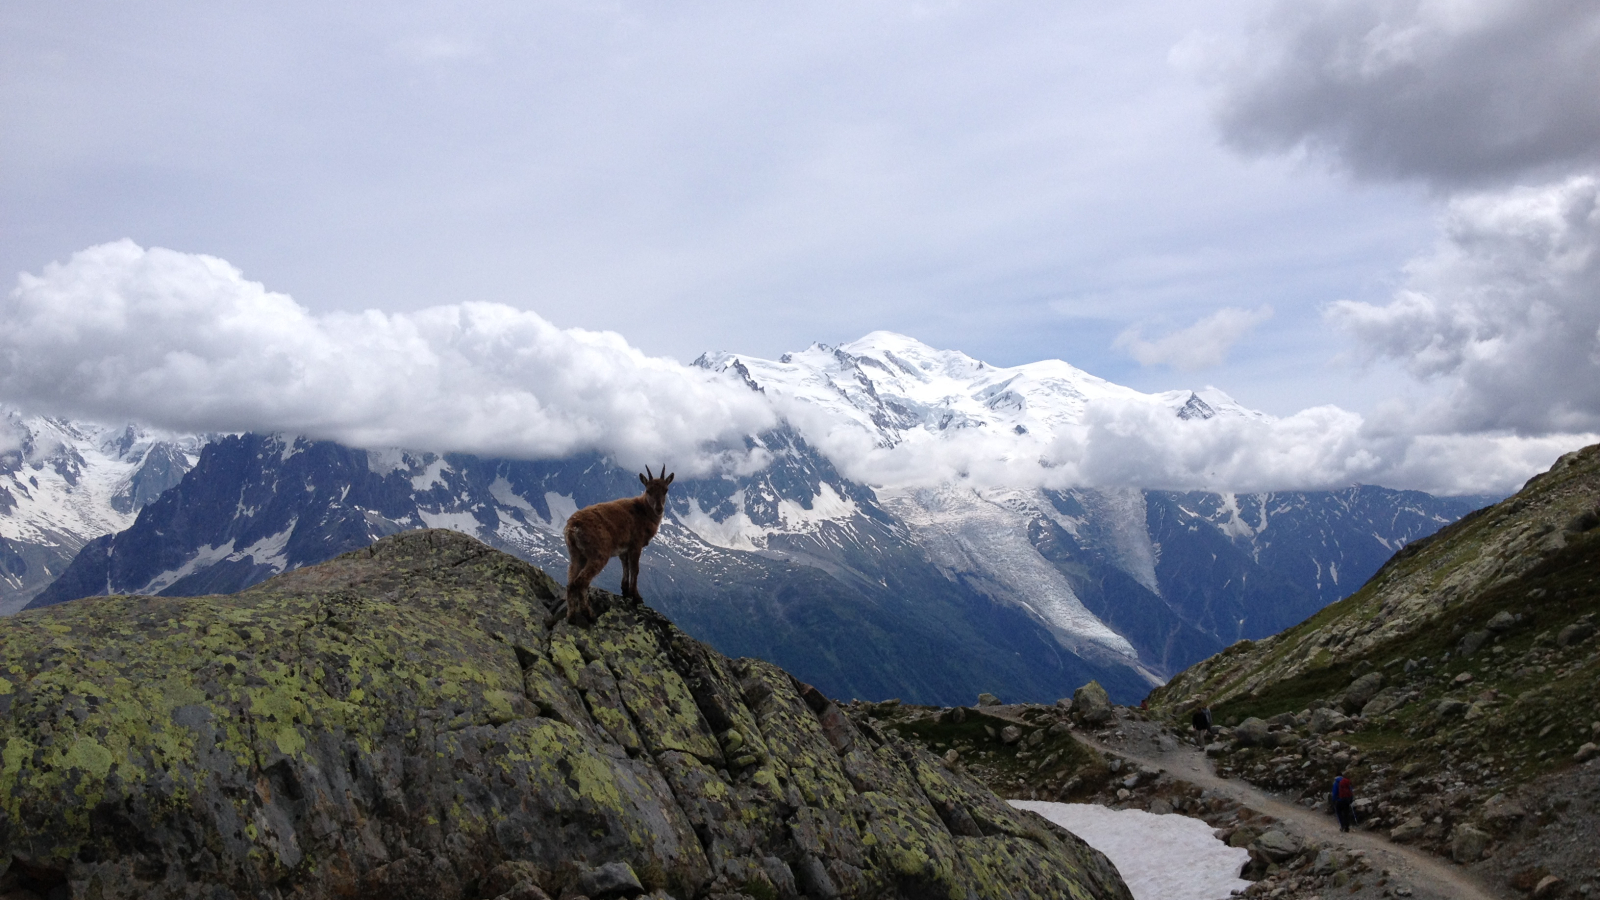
(1426, 875)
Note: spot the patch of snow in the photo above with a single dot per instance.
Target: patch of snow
(739, 532)
(269, 550)
(1169, 857)
(827, 506)
(386, 460)
(204, 557)
(736, 532)
(463, 522)
(561, 508)
(506, 495)
(430, 476)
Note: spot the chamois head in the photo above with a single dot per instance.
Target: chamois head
(655, 488)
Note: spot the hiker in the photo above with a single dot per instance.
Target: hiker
(1343, 798)
(1201, 720)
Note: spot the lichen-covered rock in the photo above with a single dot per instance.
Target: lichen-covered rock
(1276, 846)
(1091, 705)
(1250, 732)
(1360, 691)
(1467, 843)
(1326, 720)
(400, 722)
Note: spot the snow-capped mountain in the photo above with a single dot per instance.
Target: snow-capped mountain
(918, 585)
(1079, 559)
(64, 483)
(893, 391)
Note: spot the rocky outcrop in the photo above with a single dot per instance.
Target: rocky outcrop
(401, 722)
(1091, 705)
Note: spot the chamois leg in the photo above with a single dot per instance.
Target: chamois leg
(585, 562)
(579, 574)
(630, 574)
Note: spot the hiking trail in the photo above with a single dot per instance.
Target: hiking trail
(1429, 877)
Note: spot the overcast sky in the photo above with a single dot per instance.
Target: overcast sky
(1385, 206)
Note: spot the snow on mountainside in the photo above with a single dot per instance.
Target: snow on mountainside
(897, 390)
(64, 483)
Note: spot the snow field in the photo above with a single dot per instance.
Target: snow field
(1169, 857)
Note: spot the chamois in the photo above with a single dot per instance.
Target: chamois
(616, 528)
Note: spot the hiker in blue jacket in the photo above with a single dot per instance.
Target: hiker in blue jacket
(1343, 798)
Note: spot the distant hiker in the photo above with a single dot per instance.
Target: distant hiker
(1201, 720)
(1343, 798)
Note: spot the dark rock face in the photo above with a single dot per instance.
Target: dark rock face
(400, 722)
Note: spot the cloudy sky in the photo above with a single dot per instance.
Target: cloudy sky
(1386, 207)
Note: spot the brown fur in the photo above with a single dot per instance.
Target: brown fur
(619, 528)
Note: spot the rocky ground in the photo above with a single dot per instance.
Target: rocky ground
(410, 721)
(1263, 786)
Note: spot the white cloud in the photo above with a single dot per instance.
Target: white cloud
(183, 341)
(1450, 91)
(1136, 440)
(1200, 346)
(1504, 314)
(1143, 445)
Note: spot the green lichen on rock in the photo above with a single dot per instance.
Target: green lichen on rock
(400, 721)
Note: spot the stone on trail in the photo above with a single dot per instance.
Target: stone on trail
(1586, 752)
(1010, 734)
(1327, 719)
(1575, 633)
(1501, 622)
(1467, 844)
(1092, 705)
(1251, 731)
(1472, 642)
(1276, 845)
(1501, 811)
(1448, 707)
(1387, 700)
(988, 699)
(1407, 831)
(1360, 691)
